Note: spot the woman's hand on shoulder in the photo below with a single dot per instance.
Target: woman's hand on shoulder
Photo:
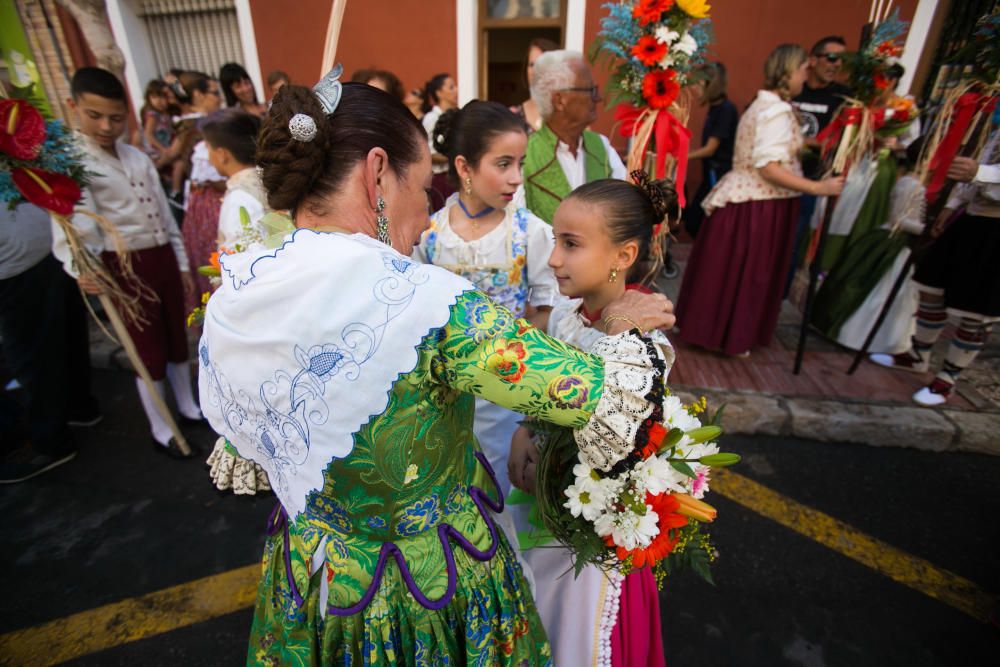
(646, 311)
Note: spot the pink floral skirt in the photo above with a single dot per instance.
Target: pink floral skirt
(201, 234)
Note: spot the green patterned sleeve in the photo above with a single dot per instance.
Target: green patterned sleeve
(484, 350)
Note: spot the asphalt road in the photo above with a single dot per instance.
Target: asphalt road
(121, 521)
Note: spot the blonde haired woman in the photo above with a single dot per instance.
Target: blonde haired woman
(732, 289)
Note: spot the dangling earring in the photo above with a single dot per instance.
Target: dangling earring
(613, 278)
(382, 222)
(468, 187)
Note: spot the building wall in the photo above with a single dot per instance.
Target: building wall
(414, 39)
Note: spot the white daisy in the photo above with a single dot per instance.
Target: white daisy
(655, 475)
(687, 44)
(583, 502)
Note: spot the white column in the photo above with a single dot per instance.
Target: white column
(248, 40)
(467, 69)
(131, 37)
(576, 12)
(916, 40)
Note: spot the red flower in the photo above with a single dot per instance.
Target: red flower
(507, 360)
(649, 50)
(656, 434)
(649, 11)
(22, 129)
(53, 192)
(881, 83)
(660, 88)
(665, 506)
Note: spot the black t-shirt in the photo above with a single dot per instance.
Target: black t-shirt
(817, 105)
(720, 123)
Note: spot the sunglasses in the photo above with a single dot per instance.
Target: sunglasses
(831, 57)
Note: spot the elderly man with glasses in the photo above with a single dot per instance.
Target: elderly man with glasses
(564, 154)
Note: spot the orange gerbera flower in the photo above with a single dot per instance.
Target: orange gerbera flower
(649, 11)
(660, 88)
(649, 50)
(665, 506)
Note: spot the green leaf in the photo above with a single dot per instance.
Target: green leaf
(209, 271)
(519, 497)
(683, 468)
(720, 460)
(244, 218)
(529, 539)
(699, 562)
(717, 418)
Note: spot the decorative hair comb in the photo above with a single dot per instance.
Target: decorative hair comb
(302, 126)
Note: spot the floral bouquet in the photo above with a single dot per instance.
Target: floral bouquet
(872, 111)
(648, 510)
(654, 48)
(41, 164)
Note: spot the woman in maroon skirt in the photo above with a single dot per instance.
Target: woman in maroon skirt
(732, 289)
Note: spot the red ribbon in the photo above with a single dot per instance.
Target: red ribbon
(965, 110)
(829, 137)
(672, 138)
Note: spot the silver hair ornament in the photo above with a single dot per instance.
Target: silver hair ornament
(302, 127)
(329, 89)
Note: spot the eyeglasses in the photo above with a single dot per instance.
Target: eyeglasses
(595, 91)
(831, 57)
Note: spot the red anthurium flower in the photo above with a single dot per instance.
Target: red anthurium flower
(649, 11)
(660, 88)
(649, 50)
(22, 129)
(53, 192)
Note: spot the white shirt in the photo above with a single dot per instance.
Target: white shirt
(574, 166)
(126, 191)
(775, 136)
(202, 170)
(230, 227)
(429, 120)
(982, 195)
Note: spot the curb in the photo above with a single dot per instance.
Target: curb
(857, 421)
(828, 420)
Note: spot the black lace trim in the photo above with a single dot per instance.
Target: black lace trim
(654, 396)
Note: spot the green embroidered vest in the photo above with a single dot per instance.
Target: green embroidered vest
(545, 184)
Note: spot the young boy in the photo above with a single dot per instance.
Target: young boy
(231, 137)
(125, 189)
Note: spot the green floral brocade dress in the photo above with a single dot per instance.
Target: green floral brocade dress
(396, 559)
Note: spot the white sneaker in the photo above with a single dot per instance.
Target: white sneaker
(902, 362)
(934, 394)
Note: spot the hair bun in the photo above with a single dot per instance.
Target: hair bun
(661, 193)
(441, 134)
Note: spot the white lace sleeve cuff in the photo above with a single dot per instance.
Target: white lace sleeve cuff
(231, 471)
(634, 372)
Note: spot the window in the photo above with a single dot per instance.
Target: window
(200, 35)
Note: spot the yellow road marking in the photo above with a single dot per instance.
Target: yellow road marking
(901, 567)
(204, 599)
(131, 619)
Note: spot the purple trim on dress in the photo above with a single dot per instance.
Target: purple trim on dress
(279, 520)
(444, 532)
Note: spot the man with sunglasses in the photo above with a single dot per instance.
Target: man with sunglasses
(822, 94)
(819, 100)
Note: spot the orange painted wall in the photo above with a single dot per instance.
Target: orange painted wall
(290, 37)
(415, 39)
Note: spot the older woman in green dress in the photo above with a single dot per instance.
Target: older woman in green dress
(348, 372)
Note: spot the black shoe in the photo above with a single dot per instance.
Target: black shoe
(173, 450)
(25, 464)
(83, 420)
(187, 421)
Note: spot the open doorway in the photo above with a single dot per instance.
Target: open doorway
(506, 51)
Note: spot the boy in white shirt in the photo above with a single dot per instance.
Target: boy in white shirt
(125, 189)
(231, 137)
